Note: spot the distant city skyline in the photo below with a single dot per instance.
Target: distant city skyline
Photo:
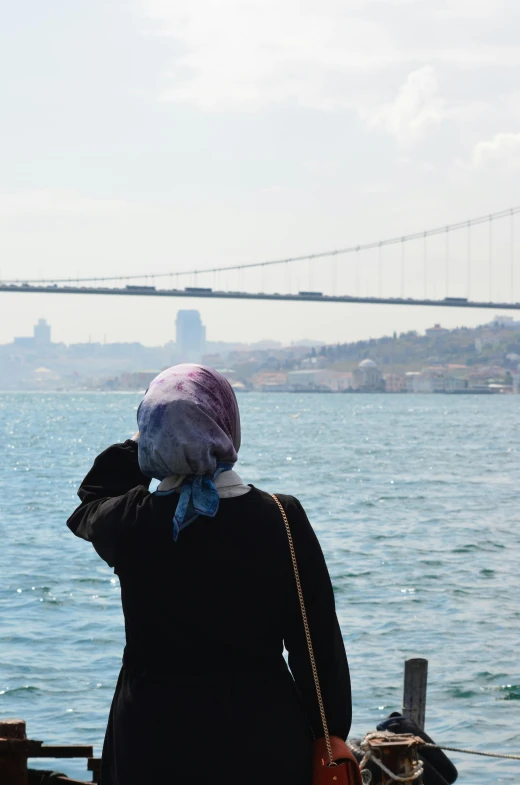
(190, 339)
(343, 323)
(482, 361)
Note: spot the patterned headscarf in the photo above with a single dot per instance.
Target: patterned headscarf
(189, 428)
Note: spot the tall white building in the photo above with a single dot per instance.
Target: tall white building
(190, 336)
(42, 332)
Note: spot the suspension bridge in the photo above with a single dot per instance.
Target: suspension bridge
(472, 267)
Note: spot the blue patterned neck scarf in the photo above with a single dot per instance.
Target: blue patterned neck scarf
(198, 495)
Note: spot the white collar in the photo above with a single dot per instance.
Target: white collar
(228, 484)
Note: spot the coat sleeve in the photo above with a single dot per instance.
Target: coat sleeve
(112, 496)
(327, 641)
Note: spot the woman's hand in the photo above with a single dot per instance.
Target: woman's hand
(135, 437)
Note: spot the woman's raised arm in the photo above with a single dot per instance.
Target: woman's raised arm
(110, 496)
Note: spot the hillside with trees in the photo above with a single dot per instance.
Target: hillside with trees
(411, 351)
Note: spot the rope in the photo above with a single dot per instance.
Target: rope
(417, 766)
(474, 752)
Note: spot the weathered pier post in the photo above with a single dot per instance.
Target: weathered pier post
(414, 695)
(13, 766)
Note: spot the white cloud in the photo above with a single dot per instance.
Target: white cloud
(251, 53)
(512, 105)
(415, 109)
(48, 201)
(500, 152)
(471, 9)
(377, 188)
(324, 54)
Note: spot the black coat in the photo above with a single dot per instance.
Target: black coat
(204, 695)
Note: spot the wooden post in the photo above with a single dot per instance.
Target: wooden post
(13, 768)
(414, 696)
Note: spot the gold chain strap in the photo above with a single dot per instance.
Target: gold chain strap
(307, 631)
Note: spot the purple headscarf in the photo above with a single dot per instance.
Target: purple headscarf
(189, 427)
(188, 423)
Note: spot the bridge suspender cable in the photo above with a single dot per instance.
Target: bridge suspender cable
(320, 255)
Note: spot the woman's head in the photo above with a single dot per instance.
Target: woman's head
(188, 423)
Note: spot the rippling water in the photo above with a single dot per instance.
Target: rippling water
(415, 500)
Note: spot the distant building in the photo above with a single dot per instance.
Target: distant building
(412, 381)
(41, 336)
(270, 381)
(213, 360)
(455, 384)
(191, 336)
(516, 381)
(314, 362)
(395, 382)
(435, 331)
(266, 344)
(367, 377)
(136, 380)
(42, 377)
(42, 332)
(507, 322)
(24, 342)
(308, 344)
(319, 379)
(487, 339)
(427, 381)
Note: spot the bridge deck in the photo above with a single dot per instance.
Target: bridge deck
(448, 302)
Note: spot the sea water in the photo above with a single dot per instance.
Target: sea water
(415, 500)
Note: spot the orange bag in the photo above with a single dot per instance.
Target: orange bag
(345, 772)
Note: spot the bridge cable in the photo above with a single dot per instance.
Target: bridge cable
(320, 255)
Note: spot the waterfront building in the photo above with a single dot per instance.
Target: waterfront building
(270, 381)
(42, 378)
(367, 377)
(395, 382)
(345, 381)
(516, 381)
(427, 381)
(455, 384)
(411, 381)
(190, 336)
(319, 379)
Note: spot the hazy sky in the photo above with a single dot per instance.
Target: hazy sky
(159, 136)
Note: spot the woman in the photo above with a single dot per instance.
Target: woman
(208, 592)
